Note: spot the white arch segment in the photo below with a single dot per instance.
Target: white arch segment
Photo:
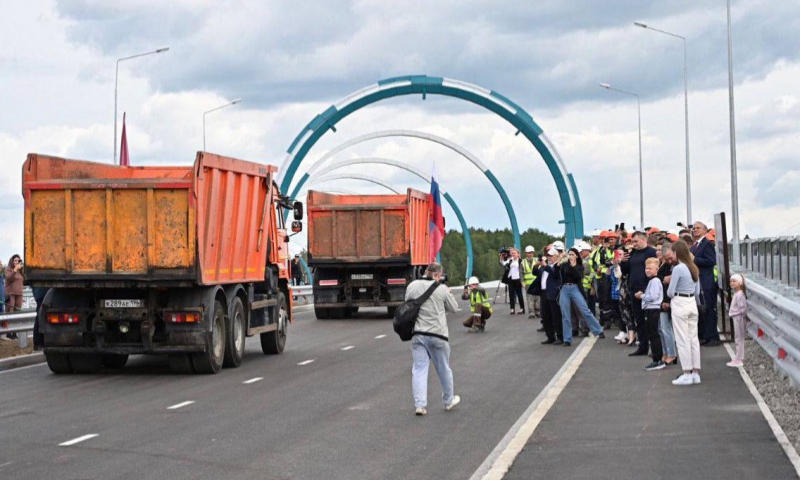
(356, 176)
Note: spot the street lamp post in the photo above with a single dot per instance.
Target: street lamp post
(686, 117)
(639, 114)
(234, 102)
(116, 81)
(734, 180)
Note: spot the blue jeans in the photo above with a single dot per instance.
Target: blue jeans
(423, 350)
(667, 335)
(571, 296)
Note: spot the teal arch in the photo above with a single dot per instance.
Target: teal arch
(424, 85)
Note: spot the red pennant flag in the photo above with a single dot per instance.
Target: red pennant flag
(124, 158)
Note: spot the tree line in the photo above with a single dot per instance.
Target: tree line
(486, 245)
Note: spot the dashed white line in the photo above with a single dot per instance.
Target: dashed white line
(6, 464)
(349, 347)
(380, 336)
(306, 362)
(180, 405)
(69, 443)
(253, 380)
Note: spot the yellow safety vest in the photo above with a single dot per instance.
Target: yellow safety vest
(476, 297)
(527, 271)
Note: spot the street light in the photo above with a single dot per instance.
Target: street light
(734, 180)
(686, 117)
(213, 110)
(639, 112)
(116, 78)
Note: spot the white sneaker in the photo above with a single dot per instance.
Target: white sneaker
(620, 336)
(421, 411)
(456, 401)
(735, 363)
(696, 378)
(685, 379)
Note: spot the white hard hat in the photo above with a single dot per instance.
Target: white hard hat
(559, 245)
(473, 281)
(529, 249)
(583, 246)
(552, 251)
(596, 233)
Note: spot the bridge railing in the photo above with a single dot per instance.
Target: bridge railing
(775, 259)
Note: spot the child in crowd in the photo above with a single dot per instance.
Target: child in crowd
(738, 313)
(479, 305)
(651, 304)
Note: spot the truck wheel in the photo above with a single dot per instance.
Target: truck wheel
(273, 343)
(113, 360)
(58, 362)
(180, 363)
(322, 313)
(211, 360)
(337, 312)
(390, 311)
(234, 340)
(85, 362)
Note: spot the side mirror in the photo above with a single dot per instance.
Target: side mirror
(298, 211)
(297, 226)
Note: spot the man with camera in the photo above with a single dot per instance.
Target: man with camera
(479, 306)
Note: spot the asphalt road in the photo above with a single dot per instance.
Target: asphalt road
(336, 405)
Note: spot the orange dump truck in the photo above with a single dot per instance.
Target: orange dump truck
(365, 249)
(185, 261)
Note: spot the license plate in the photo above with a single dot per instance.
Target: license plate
(362, 290)
(361, 276)
(123, 303)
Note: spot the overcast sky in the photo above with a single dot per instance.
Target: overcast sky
(289, 61)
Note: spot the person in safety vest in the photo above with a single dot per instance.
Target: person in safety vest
(479, 306)
(600, 262)
(529, 264)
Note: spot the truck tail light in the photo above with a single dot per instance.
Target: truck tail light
(63, 318)
(396, 281)
(328, 283)
(183, 317)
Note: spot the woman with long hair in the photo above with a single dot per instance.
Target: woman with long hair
(14, 281)
(684, 290)
(514, 267)
(572, 296)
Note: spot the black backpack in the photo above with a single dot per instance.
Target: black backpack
(406, 314)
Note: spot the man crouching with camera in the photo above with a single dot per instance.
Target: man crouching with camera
(479, 305)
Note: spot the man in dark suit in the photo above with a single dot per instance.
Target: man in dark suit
(550, 276)
(705, 257)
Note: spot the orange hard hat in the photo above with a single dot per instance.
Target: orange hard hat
(672, 237)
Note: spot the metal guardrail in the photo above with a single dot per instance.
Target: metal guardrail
(19, 323)
(775, 258)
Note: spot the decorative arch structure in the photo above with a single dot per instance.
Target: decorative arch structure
(396, 163)
(512, 217)
(425, 85)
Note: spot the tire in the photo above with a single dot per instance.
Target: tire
(350, 312)
(390, 311)
(234, 338)
(211, 360)
(58, 362)
(180, 363)
(85, 362)
(337, 312)
(113, 361)
(322, 313)
(274, 342)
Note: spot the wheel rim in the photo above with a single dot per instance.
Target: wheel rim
(237, 331)
(216, 338)
(282, 324)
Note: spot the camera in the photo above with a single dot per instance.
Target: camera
(505, 252)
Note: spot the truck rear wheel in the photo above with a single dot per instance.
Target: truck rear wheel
(85, 362)
(234, 339)
(115, 361)
(211, 360)
(274, 342)
(322, 313)
(58, 362)
(180, 363)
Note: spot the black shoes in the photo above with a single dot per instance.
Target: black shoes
(549, 341)
(638, 353)
(566, 344)
(712, 343)
(703, 343)
(540, 329)
(558, 342)
(602, 335)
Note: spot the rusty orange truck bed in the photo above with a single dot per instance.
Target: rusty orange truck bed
(365, 249)
(182, 260)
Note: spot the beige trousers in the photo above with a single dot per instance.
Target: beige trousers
(684, 324)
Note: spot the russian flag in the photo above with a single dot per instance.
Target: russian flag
(436, 236)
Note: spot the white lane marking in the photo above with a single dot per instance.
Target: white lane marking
(349, 347)
(306, 362)
(253, 380)
(780, 435)
(502, 457)
(69, 443)
(380, 336)
(180, 405)
(6, 464)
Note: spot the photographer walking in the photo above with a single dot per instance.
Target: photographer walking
(514, 267)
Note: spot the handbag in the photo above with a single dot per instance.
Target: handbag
(406, 314)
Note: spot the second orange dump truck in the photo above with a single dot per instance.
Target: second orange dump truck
(365, 249)
(184, 261)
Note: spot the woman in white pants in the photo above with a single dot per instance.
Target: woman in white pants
(684, 290)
